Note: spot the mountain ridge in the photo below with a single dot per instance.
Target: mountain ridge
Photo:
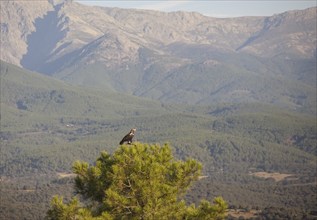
(154, 27)
(181, 57)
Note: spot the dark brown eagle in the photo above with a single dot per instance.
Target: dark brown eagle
(128, 137)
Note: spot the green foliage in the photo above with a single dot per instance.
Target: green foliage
(47, 124)
(136, 182)
(206, 211)
(60, 210)
(92, 181)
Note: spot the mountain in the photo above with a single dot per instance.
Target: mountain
(181, 57)
(36, 95)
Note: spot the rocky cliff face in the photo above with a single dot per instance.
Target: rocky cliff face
(34, 35)
(17, 23)
(291, 33)
(180, 56)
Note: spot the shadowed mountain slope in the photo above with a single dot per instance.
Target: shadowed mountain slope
(172, 57)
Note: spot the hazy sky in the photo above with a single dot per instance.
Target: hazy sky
(212, 8)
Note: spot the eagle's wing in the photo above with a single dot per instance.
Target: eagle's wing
(125, 138)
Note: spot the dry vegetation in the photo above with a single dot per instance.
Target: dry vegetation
(276, 176)
(241, 213)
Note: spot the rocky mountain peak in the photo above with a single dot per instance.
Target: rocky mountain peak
(71, 26)
(178, 56)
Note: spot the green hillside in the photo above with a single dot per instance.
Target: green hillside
(204, 76)
(47, 124)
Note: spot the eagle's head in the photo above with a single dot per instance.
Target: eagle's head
(133, 130)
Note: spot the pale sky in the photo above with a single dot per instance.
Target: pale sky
(211, 8)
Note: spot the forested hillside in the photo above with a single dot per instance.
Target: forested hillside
(48, 124)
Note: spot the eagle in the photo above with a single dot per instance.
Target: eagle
(128, 137)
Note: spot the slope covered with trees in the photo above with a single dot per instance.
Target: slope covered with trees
(47, 124)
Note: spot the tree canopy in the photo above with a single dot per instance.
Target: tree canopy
(138, 181)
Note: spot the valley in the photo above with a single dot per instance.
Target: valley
(39, 143)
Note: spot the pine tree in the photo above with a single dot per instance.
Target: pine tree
(138, 181)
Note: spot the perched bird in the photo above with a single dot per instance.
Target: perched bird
(128, 137)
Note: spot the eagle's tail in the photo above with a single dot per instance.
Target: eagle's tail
(121, 142)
